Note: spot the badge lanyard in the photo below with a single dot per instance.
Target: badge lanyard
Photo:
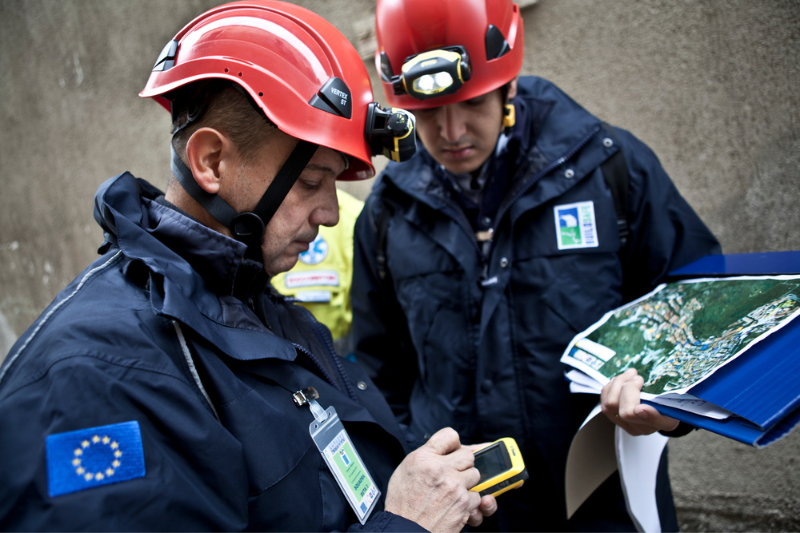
(340, 455)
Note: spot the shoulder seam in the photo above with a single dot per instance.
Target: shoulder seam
(52, 311)
(101, 356)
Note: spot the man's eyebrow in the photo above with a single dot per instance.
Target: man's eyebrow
(321, 168)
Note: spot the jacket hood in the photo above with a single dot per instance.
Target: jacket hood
(132, 212)
(198, 276)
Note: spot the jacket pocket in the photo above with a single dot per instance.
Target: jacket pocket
(576, 289)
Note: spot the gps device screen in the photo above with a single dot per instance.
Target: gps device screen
(501, 467)
(492, 461)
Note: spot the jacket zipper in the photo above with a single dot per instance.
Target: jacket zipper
(331, 355)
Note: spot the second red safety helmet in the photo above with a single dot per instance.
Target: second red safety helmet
(490, 30)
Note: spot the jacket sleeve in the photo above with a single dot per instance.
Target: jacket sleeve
(182, 452)
(665, 232)
(388, 522)
(380, 332)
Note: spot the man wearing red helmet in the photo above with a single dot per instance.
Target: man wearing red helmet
(170, 387)
(521, 222)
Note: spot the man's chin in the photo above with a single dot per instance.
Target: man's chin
(283, 264)
(459, 165)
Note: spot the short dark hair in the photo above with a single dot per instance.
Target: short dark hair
(224, 107)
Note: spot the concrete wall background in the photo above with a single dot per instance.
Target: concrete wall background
(711, 86)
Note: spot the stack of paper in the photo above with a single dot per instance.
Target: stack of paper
(722, 354)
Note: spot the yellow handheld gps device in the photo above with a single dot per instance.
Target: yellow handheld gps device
(501, 467)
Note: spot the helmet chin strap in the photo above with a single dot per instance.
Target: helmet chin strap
(248, 226)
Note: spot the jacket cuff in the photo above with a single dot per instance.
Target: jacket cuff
(386, 521)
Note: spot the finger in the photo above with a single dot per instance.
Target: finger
(461, 459)
(649, 415)
(634, 429)
(637, 418)
(467, 505)
(475, 518)
(475, 447)
(470, 477)
(609, 395)
(629, 399)
(443, 442)
(622, 397)
(488, 505)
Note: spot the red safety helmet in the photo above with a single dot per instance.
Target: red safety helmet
(303, 74)
(296, 66)
(476, 45)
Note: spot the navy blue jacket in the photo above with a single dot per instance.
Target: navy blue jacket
(455, 335)
(171, 329)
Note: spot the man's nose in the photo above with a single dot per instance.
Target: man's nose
(452, 125)
(327, 214)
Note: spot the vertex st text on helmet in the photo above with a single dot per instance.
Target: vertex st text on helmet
(490, 31)
(297, 67)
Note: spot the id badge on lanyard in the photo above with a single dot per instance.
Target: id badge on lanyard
(340, 455)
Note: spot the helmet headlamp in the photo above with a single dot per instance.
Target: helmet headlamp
(390, 132)
(433, 73)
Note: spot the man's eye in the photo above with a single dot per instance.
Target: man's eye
(310, 185)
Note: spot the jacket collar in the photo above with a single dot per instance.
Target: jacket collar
(197, 276)
(549, 123)
(551, 130)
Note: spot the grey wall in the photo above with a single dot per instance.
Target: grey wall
(711, 86)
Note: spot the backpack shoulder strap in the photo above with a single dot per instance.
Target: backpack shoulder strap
(386, 209)
(615, 172)
(386, 213)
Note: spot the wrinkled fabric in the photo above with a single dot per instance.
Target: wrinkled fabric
(224, 446)
(462, 336)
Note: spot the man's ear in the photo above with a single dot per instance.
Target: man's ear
(207, 151)
(512, 89)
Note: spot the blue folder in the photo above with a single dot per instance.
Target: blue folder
(761, 386)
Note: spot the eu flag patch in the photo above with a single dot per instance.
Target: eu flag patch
(92, 457)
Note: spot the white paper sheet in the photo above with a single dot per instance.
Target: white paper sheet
(598, 449)
(638, 459)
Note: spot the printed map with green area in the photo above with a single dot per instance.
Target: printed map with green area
(683, 332)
